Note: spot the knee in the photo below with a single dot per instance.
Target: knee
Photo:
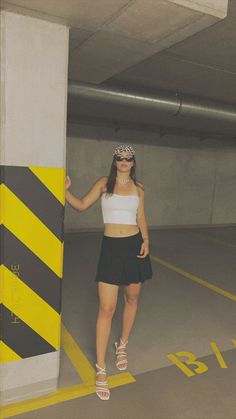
(106, 310)
(131, 298)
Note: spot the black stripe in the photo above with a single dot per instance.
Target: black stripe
(21, 338)
(1, 173)
(30, 269)
(35, 195)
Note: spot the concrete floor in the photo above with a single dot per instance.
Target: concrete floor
(188, 306)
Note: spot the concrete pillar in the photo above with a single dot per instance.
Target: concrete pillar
(33, 98)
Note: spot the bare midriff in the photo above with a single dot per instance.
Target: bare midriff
(120, 230)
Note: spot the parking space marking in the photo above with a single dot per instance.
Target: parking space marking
(85, 371)
(195, 278)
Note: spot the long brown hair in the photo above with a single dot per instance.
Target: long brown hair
(112, 176)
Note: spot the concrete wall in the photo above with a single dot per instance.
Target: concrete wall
(185, 184)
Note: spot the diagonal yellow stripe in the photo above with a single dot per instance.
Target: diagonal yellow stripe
(195, 278)
(7, 354)
(76, 356)
(30, 308)
(53, 178)
(65, 393)
(22, 222)
(62, 394)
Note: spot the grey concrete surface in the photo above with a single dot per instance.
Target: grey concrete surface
(174, 314)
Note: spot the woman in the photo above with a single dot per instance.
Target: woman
(124, 254)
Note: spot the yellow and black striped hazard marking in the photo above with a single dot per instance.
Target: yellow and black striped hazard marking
(32, 207)
(84, 370)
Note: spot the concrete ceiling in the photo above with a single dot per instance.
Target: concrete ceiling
(109, 36)
(203, 64)
(185, 46)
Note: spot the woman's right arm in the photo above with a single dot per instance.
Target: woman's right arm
(87, 200)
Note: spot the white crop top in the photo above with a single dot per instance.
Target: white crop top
(119, 209)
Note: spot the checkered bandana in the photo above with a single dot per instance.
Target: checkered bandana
(124, 147)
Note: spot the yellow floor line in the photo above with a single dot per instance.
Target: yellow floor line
(85, 371)
(76, 356)
(82, 365)
(195, 278)
(61, 395)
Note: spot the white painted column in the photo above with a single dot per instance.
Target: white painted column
(33, 98)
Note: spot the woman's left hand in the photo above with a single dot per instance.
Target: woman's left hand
(144, 250)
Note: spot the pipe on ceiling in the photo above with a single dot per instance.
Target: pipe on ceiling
(173, 104)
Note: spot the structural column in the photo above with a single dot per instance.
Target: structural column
(33, 99)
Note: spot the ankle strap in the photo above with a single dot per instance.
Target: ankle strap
(101, 369)
(123, 343)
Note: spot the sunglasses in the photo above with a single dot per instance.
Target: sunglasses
(119, 158)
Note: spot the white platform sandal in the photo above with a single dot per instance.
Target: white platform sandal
(121, 364)
(102, 386)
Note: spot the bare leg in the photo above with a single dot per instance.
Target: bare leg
(131, 295)
(107, 304)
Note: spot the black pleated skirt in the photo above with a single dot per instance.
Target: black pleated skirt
(118, 262)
